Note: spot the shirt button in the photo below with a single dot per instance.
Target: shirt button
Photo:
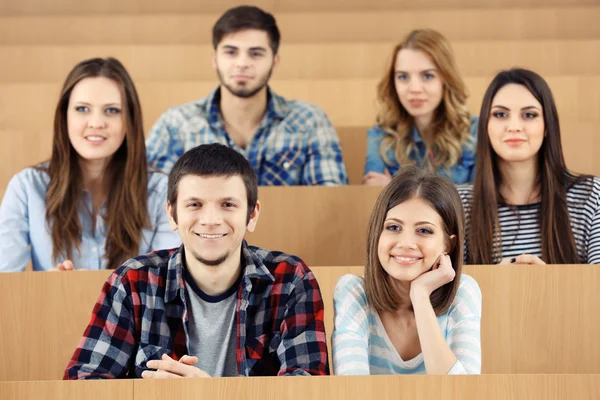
(286, 165)
(94, 249)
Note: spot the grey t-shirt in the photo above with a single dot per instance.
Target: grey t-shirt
(211, 330)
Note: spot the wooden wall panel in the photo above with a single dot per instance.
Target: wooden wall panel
(307, 27)
(360, 60)
(74, 7)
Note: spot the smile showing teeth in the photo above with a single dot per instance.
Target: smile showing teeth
(406, 259)
(205, 236)
(95, 138)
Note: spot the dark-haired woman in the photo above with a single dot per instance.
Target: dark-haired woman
(525, 206)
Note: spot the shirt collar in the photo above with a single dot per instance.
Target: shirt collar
(174, 281)
(416, 136)
(252, 266)
(277, 106)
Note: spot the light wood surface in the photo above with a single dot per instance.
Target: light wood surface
(323, 226)
(536, 319)
(307, 27)
(489, 387)
(322, 60)
(74, 7)
(58, 390)
(43, 317)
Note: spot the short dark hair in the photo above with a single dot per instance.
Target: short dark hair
(246, 17)
(213, 160)
(441, 194)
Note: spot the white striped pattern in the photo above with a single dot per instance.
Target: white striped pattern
(520, 228)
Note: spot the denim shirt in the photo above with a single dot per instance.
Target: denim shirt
(461, 172)
(24, 233)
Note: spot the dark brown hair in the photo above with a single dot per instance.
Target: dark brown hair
(213, 160)
(246, 17)
(127, 173)
(558, 242)
(441, 194)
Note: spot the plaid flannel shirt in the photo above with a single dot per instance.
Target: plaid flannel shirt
(141, 314)
(295, 143)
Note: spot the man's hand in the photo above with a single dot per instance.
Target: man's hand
(167, 368)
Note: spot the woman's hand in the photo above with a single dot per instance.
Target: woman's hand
(440, 274)
(376, 179)
(523, 259)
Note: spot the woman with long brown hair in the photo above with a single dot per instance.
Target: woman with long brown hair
(525, 206)
(94, 204)
(414, 312)
(423, 117)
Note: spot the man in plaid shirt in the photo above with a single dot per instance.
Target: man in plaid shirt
(287, 142)
(215, 306)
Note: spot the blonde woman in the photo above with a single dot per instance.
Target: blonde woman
(423, 118)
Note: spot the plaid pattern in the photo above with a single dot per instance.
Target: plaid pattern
(141, 314)
(295, 143)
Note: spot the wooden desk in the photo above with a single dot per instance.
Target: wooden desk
(475, 387)
(488, 387)
(536, 319)
(67, 390)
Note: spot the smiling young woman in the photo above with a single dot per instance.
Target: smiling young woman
(525, 206)
(94, 204)
(414, 311)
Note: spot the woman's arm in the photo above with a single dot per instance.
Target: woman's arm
(350, 340)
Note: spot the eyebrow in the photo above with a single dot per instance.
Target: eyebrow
(425, 70)
(416, 223)
(524, 108)
(255, 48)
(89, 104)
(228, 198)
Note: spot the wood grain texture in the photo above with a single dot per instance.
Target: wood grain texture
(311, 26)
(57, 390)
(489, 387)
(536, 319)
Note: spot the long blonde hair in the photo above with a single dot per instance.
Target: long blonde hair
(451, 122)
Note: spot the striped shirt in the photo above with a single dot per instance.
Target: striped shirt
(520, 225)
(295, 143)
(361, 345)
(142, 313)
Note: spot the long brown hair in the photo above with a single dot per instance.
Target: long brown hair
(558, 242)
(441, 194)
(127, 172)
(451, 122)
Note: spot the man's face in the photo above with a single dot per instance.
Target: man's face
(244, 62)
(212, 217)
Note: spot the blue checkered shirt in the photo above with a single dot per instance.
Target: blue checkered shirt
(295, 143)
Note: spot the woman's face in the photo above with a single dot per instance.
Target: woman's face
(418, 83)
(516, 124)
(94, 119)
(412, 239)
